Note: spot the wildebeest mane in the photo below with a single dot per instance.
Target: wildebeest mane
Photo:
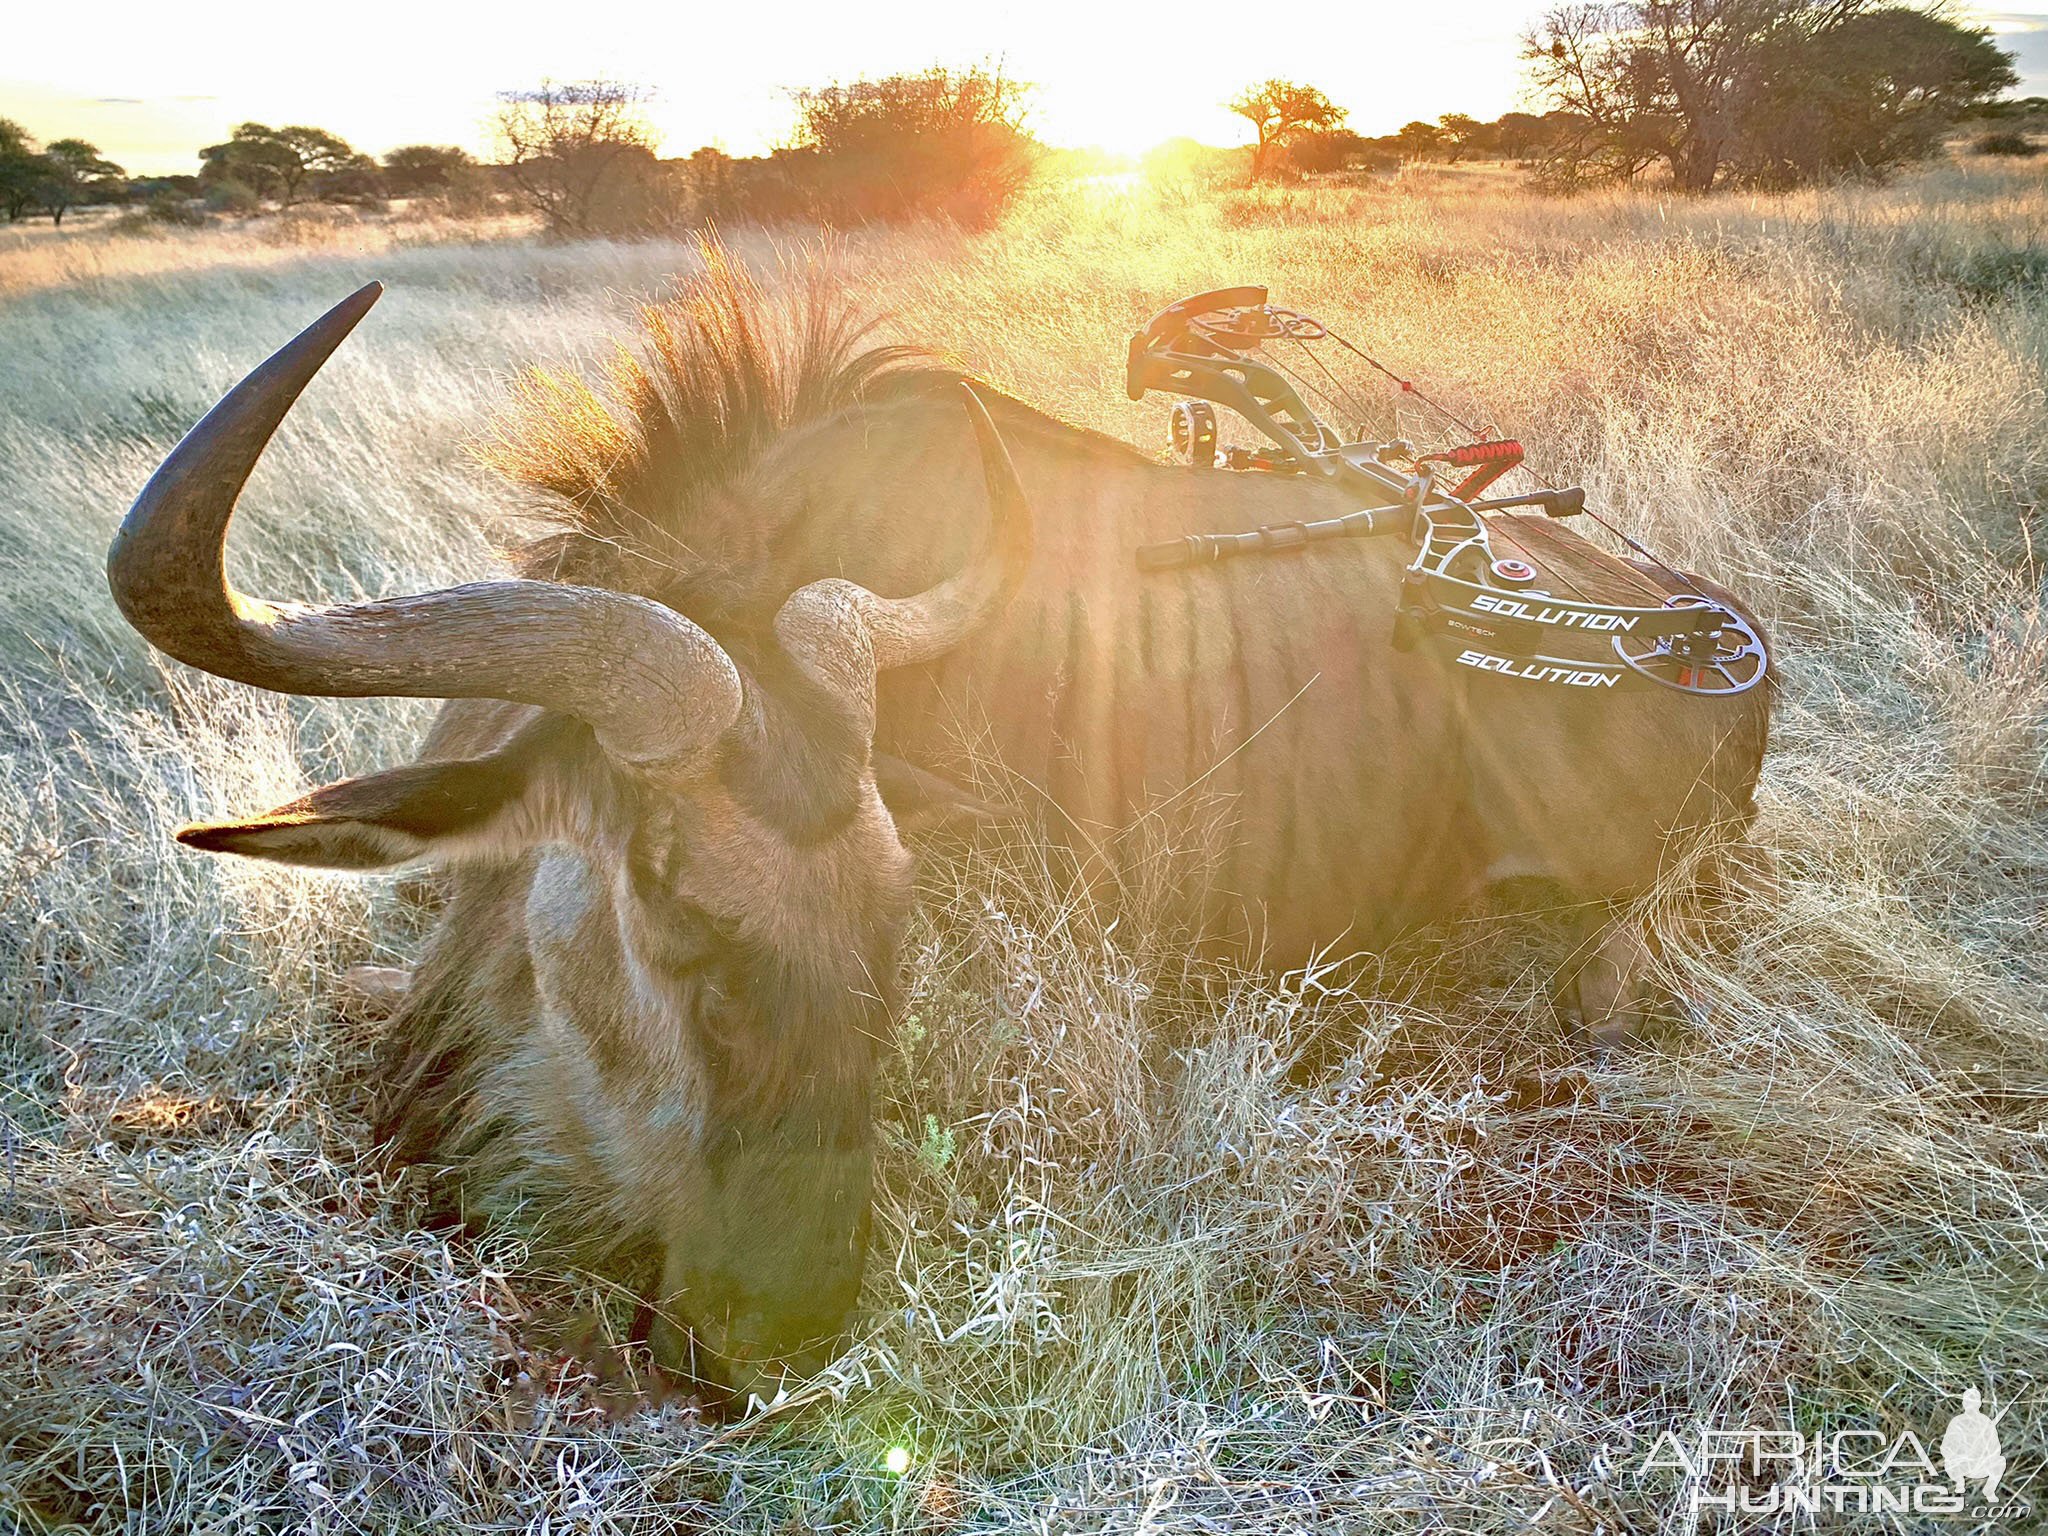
(628, 471)
(629, 474)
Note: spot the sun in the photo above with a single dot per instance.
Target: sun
(1088, 112)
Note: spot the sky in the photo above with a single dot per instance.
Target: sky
(151, 82)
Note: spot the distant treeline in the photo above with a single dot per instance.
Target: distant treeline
(582, 156)
(1704, 92)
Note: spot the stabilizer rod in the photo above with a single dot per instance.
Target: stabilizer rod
(1274, 538)
(1568, 502)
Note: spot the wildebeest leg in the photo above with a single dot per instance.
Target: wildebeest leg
(371, 991)
(669, 1338)
(674, 1344)
(1600, 992)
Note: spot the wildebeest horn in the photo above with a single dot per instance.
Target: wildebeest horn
(909, 630)
(657, 689)
(903, 631)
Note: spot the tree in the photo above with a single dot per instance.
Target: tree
(1338, 149)
(280, 163)
(74, 173)
(1278, 110)
(1867, 94)
(1461, 135)
(21, 169)
(943, 141)
(1418, 141)
(579, 154)
(415, 169)
(1520, 135)
(1645, 80)
(1709, 85)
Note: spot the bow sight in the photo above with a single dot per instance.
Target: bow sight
(1213, 349)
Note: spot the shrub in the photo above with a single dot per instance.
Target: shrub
(309, 224)
(944, 142)
(581, 155)
(179, 212)
(164, 211)
(2004, 142)
(419, 170)
(231, 196)
(467, 192)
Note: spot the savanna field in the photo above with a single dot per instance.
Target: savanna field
(1158, 1247)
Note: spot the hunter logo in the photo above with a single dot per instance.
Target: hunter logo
(1969, 1447)
(1569, 618)
(1849, 1471)
(1538, 672)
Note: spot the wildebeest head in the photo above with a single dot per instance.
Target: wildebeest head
(671, 1003)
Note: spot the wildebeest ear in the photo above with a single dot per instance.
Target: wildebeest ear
(919, 799)
(494, 806)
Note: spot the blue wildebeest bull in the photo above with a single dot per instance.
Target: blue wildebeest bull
(667, 774)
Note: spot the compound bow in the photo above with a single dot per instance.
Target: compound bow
(1211, 349)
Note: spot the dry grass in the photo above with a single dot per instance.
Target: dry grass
(106, 250)
(1154, 1251)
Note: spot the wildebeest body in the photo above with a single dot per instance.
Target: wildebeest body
(1367, 789)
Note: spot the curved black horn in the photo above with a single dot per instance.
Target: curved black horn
(657, 689)
(908, 630)
(818, 621)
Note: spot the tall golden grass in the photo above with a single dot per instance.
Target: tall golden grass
(1156, 1249)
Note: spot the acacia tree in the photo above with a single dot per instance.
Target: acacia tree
(1278, 111)
(1873, 91)
(1462, 135)
(1519, 135)
(282, 163)
(1419, 140)
(21, 169)
(573, 149)
(1699, 84)
(413, 169)
(1643, 80)
(73, 173)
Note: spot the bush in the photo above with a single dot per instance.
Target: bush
(231, 196)
(358, 185)
(179, 212)
(581, 155)
(421, 170)
(944, 142)
(2005, 143)
(640, 197)
(1314, 152)
(307, 224)
(467, 193)
(164, 211)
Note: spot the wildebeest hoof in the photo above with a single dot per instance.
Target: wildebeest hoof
(1610, 1036)
(1601, 1042)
